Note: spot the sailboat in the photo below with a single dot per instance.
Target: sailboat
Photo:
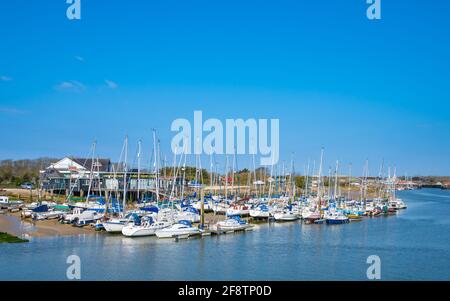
(115, 225)
(286, 215)
(261, 211)
(313, 214)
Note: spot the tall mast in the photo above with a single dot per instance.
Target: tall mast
(232, 175)
(336, 180)
(319, 182)
(184, 178)
(211, 175)
(349, 180)
(307, 179)
(139, 171)
(329, 183)
(226, 177)
(125, 170)
(91, 175)
(292, 184)
(155, 164)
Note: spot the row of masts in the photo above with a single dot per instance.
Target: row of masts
(228, 184)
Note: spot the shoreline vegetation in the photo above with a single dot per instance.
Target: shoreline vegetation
(8, 238)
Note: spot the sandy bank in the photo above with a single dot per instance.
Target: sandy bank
(13, 224)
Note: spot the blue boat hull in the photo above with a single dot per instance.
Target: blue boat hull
(336, 221)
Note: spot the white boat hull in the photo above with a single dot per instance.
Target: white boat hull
(286, 217)
(142, 231)
(238, 212)
(171, 234)
(113, 227)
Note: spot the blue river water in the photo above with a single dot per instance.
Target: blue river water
(413, 245)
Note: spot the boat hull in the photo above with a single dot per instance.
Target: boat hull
(259, 214)
(113, 227)
(337, 221)
(171, 234)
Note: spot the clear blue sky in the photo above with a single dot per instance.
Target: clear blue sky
(361, 89)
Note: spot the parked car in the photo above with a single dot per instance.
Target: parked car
(27, 186)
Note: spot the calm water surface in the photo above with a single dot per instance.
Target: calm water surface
(414, 245)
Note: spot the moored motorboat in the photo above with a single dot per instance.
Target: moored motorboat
(115, 225)
(147, 227)
(336, 218)
(46, 215)
(312, 217)
(286, 216)
(354, 217)
(232, 224)
(182, 228)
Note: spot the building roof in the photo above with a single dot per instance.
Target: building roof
(102, 165)
(69, 164)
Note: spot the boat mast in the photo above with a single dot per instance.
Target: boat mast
(125, 170)
(155, 165)
(232, 175)
(307, 179)
(349, 180)
(174, 176)
(226, 178)
(336, 193)
(211, 170)
(139, 171)
(292, 184)
(184, 178)
(91, 175)
(319, 182)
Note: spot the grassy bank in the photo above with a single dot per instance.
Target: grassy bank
(7, 238)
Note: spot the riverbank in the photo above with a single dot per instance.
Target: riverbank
(13, 224)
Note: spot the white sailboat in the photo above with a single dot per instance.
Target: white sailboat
(115, 225)
(286, 216)
(262, 211)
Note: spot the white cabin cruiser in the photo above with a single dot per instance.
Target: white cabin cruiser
(232, 224)
(182, 228)
(79, 214)
(286, 216)
(38, 216)
(399, 204)
(148, 227)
